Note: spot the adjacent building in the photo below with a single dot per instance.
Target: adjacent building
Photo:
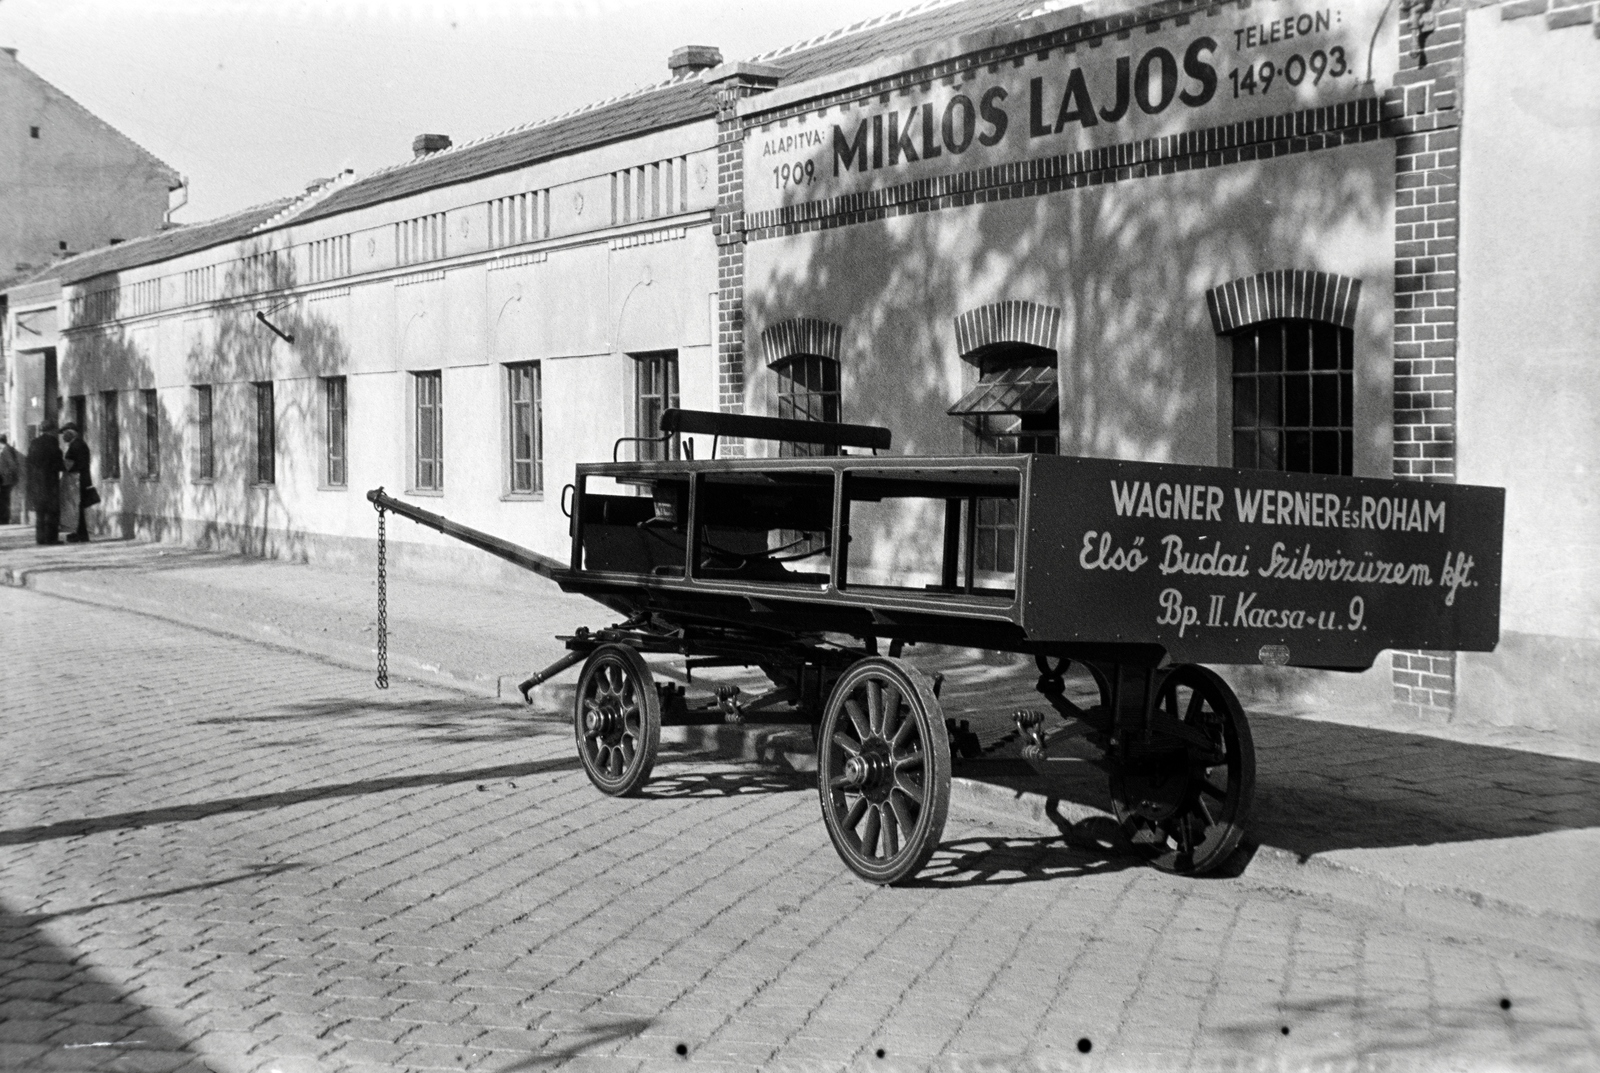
(69, 182)
(1346, 238)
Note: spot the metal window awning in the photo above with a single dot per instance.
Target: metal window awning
(1015, 389)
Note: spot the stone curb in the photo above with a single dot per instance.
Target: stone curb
(785, 749)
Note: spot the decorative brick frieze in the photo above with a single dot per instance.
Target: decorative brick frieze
(1286, 293)
(1258, 139)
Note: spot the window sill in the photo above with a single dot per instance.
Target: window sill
(264, 485)
(202, 480)
(333, 487)
(522, 497)
(439, 492)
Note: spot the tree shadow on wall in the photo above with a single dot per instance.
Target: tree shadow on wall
(243, 504)
(1127, 263)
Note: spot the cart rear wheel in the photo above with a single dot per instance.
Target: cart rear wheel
(1184, 810)
(883, 769)
(617, 719)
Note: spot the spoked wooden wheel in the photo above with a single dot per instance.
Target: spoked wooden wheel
(1184, 809)
(617, 719)
(883, 769)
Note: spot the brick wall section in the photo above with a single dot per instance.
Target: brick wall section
(728, 226)
(1423, 114)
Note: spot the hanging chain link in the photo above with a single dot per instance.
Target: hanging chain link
(383, 603)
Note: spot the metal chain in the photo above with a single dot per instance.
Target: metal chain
(383, 605)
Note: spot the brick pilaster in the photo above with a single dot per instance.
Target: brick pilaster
(1423, 114)
(734, 83)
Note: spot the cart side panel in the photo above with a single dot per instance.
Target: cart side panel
(1216, 563)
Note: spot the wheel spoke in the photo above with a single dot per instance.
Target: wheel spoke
(1209, 789)
(629, 749)
(874, 706)
(891, 831)
(853, 817)
(908, 726)
(858, 718)
(844, 742)
(1196, 703)
(869, 837)
(902, 815)
(908, 763)
(1204, 810)
(891, 713)
(909, 788)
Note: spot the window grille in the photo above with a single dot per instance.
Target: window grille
(200, 285)
(526, 427)
(1293, 384)
(428, 431)
(334, 429)
(657, 390)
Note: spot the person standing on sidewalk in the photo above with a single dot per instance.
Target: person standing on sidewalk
(76, 481)
(44, 484)
(10, 470)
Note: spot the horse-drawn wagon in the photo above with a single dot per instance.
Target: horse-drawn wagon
(818, 570)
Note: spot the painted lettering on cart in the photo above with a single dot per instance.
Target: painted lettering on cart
(1323, 510)
(1185, 502)
(1177, 611)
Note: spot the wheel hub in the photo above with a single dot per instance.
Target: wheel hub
(870, 771)
(603, 719)
(1156, 792)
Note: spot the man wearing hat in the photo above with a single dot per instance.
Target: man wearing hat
(44, 484)
(10, 470)
(77, 480)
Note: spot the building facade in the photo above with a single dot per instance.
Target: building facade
(1269, 234)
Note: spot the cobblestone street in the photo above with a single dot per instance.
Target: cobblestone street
(219, 855)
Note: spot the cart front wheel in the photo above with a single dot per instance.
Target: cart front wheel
(617, 719)
(883, 769)
(1184, 809)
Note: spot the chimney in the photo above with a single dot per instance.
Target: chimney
(424, 144)
(692, 59)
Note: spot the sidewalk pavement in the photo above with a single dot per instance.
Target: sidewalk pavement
(1415, 818)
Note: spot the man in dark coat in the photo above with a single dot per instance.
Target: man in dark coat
(76, 457)
(45, 465)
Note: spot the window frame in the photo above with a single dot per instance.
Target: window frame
(1312, 402)
(203, 465)
(415, 483)
(791, 390)
(648, 406)
(335, 427)
(110, 438)
(534, 404)
(151, 405)
(266, 433)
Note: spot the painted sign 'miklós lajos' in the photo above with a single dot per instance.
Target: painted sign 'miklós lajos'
(1216, 563)
(1231, 64)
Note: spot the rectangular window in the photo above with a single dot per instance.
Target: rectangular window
(428, 431)
(526, 426)
(1292, 397)
(266, 434)
(333, 430)
(152, 435)
(205, 455)
(110, 438)
(656, 380)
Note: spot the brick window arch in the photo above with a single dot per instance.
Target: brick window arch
(1292, 379)
(803, 353)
